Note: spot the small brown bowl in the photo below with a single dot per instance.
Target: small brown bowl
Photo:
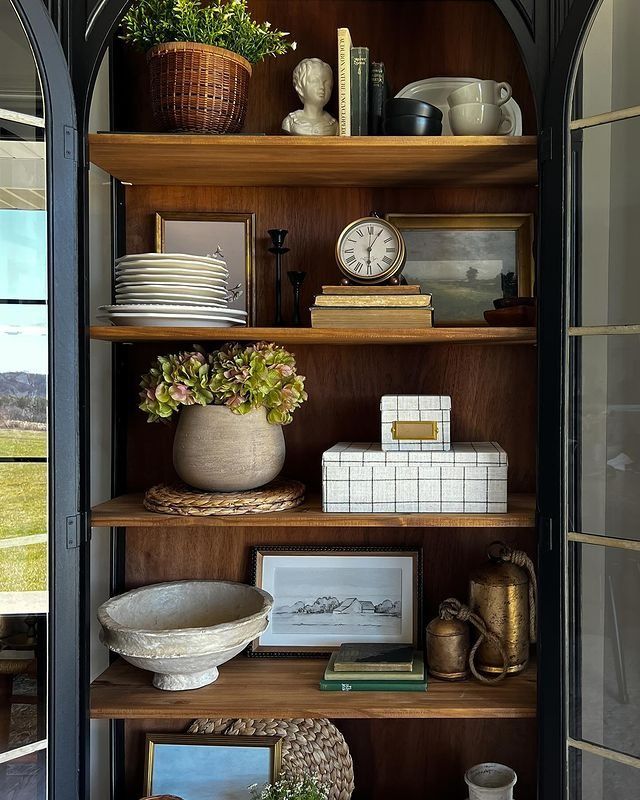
(506, 302)
(512, 317)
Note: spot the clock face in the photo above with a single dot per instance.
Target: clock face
(370, 250)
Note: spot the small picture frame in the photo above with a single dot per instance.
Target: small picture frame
(465, 261)
(325, 596)
(201, 233)
(193, 766)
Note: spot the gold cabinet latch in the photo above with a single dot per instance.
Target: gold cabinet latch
(423, 431)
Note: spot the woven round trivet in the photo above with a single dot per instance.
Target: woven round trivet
(278, 495)
(309, 747)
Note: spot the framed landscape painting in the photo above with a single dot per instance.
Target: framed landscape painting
(198, 767)
(325, 596)
(466, 261)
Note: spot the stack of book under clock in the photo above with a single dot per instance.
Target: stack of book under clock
(375, 668)
(372, 307)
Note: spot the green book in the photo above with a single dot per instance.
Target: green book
(416, 674)
(359, 91)
(373, 686)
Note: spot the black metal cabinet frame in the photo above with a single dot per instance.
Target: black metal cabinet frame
(550, 34)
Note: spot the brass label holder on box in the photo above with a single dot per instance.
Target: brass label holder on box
(422, 431)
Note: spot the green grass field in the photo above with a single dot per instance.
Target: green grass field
(22, 444)
(23, 511)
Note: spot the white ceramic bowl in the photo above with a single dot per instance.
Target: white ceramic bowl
(182, 631)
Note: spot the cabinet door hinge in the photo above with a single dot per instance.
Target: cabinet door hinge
(73, 531)
(70, 143)
(546, 145)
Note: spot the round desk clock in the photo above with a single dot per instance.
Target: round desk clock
(371, 250)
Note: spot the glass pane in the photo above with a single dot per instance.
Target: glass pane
(23, 381)
(596, 778)
(605, 448)
(23, 268)
(19, 80)
(24, 778)
(605, 694)
(608, 278)
(611, 60)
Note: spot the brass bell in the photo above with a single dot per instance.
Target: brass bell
(448, 648)
(502, 592)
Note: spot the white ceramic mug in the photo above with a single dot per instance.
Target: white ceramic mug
(491, 92)
(490, 781)
(479, 119)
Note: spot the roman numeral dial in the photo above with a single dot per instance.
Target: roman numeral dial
(370, 250)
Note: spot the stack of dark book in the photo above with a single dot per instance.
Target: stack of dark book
(372, 307)
(375, 668)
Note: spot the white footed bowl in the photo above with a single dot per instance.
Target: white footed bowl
(182, 631)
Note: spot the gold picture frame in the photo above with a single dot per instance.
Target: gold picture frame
(458, 311)
(154, 741)
(247, 219)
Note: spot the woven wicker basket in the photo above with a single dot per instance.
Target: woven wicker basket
(198, 87)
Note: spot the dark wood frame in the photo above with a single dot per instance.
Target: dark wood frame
(248, 218)
(522, 224)
(258, 553)
(273, 743)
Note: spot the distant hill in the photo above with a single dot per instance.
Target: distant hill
(23, 384)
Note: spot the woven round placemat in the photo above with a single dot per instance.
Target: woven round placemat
(278, 495)
(309, 747)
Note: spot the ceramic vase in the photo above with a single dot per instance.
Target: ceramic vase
(217, 450)
(490, 781)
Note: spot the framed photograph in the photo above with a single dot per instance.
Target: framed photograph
(463, 260)
(195, 767)
(201, 233)
(325, 596)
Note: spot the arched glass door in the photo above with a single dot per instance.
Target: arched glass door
(604, 414)
(24, 539)
(41, 699)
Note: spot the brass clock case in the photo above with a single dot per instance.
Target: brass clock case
(392, 271)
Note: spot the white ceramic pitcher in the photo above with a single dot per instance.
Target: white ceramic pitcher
(490, 781)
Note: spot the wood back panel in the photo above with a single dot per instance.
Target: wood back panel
(314, 218)
(415, 39)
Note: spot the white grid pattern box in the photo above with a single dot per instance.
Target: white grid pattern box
(361, 477)
(413, 409)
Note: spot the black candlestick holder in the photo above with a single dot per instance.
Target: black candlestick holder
(296, 279)
(278, 236)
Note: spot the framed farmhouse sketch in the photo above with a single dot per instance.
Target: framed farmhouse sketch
(330, 595)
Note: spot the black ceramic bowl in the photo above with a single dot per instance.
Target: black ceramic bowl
(405, 106)
(408, 125)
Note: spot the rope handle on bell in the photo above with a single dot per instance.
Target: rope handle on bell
(454, 609)
(521, 559)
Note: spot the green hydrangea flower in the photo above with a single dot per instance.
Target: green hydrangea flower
(241, 377)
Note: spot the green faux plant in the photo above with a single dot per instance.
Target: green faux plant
(241, 377)
(289, 787)
(224, 23)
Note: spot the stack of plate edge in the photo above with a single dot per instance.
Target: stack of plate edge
(150, 292)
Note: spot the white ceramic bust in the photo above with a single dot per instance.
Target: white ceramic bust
(313, 81)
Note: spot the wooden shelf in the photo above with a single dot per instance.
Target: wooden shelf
(182, 159)
(128, 512)
(336, 336)
(264, 688)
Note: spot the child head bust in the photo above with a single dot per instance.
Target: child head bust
(313, 82)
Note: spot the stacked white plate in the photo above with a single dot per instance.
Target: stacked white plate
(174, 289)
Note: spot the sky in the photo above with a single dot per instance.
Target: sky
(23, 275)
